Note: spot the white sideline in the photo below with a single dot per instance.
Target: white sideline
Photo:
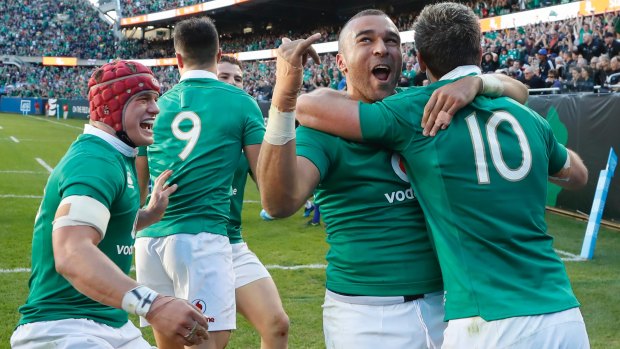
(23, 171)
(282, 267)
(18, 196)
(13, 196)
(14, 139)
(45, 165)
(569, 257)
(54, 122)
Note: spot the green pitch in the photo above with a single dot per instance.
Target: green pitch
(29, 144)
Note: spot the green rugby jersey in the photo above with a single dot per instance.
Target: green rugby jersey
(236, 200)
(94, 168)
(482, 185)
(378, 243)
(199, 135)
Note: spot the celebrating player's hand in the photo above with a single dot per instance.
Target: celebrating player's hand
(291, 57)
(446, 101)
(158, 202)
(178, 320)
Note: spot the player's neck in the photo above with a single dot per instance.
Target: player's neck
(209, 68)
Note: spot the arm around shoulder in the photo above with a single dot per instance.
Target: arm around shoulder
(330, 111)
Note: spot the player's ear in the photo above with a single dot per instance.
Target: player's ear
(219, 56)
(421, 62)
(180, 63)
(342, 65)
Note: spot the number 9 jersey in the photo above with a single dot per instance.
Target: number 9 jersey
(199, 134)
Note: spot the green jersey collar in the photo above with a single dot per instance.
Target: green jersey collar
(198, 74)
(461, 71)
(112, 140)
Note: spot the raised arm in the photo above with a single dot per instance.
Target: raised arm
(285, 180)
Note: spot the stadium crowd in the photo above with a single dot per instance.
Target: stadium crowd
(574, 55)
(55, 28)
(482, 8)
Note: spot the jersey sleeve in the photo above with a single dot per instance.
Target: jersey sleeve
(390, 122)
(103, 184)
(314, 146)
(254, 129)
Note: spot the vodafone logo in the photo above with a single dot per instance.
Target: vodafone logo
(200, 304)
(398, 165)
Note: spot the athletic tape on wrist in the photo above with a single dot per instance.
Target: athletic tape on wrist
(280, 127)
(491, 86)
(138, 300)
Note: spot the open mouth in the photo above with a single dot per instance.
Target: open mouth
(381, 72)
(147, 124)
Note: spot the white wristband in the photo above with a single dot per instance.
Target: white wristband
(280, 128)
(491, 86)
(138, 300)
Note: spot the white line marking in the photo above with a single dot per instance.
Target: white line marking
(22, 171)
(45, 165)
(14, 139)
(296, 267)
(251, 202)
(569, 257)
(16, 270)
(13, 196)
(282, 267)
(54, 122)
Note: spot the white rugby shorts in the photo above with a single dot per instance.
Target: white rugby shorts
(246, 265)
(416, 324)
(196, 267)
(77, 334)
(561, 330)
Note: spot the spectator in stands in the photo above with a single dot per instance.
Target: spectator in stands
(612, 46)
(515, 70)
(544, 64)
(602, 70)
(585, 82)
(488, 64)
(552, 79)
(264, 90)
(590, 47)
(614, 65)
(531, 80)
(408, 74)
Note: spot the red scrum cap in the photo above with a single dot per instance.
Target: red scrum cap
(112, 86)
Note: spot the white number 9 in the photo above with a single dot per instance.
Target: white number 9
(191, 135)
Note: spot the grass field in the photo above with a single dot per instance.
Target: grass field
(29, 144)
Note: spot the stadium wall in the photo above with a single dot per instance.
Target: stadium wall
(589, 124)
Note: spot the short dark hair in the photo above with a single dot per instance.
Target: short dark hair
(196, 39)
(364, 13)
(447, 35)
(232, 60)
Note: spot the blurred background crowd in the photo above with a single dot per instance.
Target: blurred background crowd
(573, 55)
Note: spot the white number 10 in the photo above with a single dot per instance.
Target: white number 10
(191, 136)
(482, 169)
